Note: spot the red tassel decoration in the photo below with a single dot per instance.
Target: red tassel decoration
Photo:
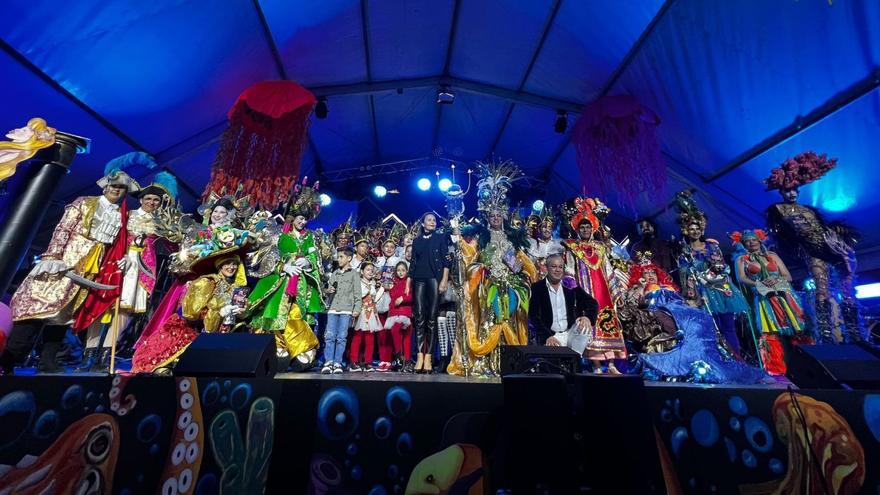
(262, 148)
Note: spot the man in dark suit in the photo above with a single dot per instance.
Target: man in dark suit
(553, 308)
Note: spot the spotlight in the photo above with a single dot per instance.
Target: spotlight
(380, 191)
(325, 199)
(868, 291)
(538, 206)
(445, 96)
(321, 108)
(424, 184)
(561, 122)
(444, 184)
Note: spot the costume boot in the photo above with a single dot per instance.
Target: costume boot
(102, 363)
(48, 358)
(855, 327)
(420, 360)
(90, 356)
(823, 322)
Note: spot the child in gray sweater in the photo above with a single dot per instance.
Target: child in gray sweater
(345, 305)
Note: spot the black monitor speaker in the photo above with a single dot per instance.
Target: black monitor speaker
(516, 359)
(834, 366)
(229, 354)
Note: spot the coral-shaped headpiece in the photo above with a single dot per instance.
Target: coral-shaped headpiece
(799, 171)
(496, 180)
(589, 209)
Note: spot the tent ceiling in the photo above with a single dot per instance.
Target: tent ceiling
(738, 85)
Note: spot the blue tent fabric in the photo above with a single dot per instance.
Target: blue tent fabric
(724, 77)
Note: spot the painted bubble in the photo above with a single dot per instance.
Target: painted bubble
(871, 410)
(148, 428)
(356, 473)
(352, 449)
(704, 428)
(738, 405)
(72, 397)
(666, 415)
(338, 413)
(325, 471)
(731, 449)
(378, 490)
(227, 383)
(154, 449)
(404, 444)
(399, 401)
(240, 395)
(393, 471)
(382, 427)
(776, 466)
(679, 435)
(735, 425)
(749, 459)
(208, 484)
(758, 434)
(211, 394)
(47, 424)
(17, 410)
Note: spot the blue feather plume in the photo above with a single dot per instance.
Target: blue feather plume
(168, 181)
(128, 160)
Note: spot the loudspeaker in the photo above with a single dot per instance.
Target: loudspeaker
(517, 359)
(834, 366)
(229, 354)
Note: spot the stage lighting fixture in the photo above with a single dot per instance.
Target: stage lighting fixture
(538, 206)
(444, 184)
(868, 291)
(561, 122)
(424, 184)
(325, 199)
(321, 108)
(380, 191)
(445, 96)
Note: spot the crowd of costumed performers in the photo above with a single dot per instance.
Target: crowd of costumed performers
(443, 294)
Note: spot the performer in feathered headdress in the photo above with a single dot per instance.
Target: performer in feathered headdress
(77, 279)
(801, 229)
(778, 312)
(286, 300)
(588, 266)
(499, 275)
(139, 267)
(704, 274)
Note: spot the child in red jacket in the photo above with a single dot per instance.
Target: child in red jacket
(399, 319)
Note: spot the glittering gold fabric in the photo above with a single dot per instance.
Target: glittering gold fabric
(54, 297)
(204, 298)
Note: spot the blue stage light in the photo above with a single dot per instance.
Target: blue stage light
(444, 184)
(325, 199)
(538, 206)
(868, 291)
(380, 191)
(424, 184)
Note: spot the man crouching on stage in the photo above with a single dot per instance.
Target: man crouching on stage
(554, 308)
(62, 287)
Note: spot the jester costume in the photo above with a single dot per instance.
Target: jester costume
(497, 281)
(588, 266)
(778, 312)
(285, 300)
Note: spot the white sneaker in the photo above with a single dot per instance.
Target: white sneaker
(327, 368)
(337, 368)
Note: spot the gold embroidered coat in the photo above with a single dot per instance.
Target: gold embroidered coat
(55, 297)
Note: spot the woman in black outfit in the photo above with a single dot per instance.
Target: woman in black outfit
(429, 271)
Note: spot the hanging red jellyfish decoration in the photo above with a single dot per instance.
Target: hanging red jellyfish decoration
(262, 148)
(617, 150)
